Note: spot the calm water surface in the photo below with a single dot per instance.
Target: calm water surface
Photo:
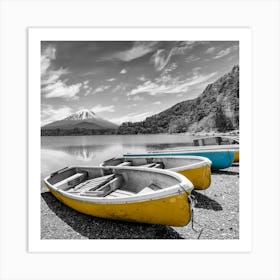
(61, 151)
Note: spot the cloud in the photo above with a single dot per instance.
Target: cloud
(165, 79)
(86, 87)
(48, 54)
(191, 58)
(162, 56)
(142, 78)
(132, 117)
(52, 76)
(60, 89)
(49, 75)
(52, 85)
(225, 52)
(99, 108)
(100, 89)
(49, 114)
(88, 91)
(210, 50)
(120, 88)
(170, 68)
(132, 105)
(136, 98)
(170, 85)
(196, 69)
(161, 59)
(157, 103)
(123, 71)
(111, 80)
(138, 50)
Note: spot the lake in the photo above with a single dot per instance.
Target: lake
(61, 151)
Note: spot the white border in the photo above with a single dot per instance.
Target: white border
(243, 35)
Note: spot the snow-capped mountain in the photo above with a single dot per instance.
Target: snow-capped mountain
(83, 119)
(83, 115)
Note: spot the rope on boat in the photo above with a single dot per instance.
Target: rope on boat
(193, 202)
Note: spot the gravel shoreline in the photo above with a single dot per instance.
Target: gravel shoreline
(216, 216)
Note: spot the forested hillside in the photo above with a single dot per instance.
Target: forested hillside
(216, 109)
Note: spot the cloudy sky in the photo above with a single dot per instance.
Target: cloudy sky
(128, 81)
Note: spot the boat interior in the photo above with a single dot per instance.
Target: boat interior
(217, 140)
(108, 182)
(152, 162)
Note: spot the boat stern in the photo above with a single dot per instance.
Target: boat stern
(200, 177)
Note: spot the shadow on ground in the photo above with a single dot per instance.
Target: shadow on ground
(203, 201)
(224, 172)
(97, 228)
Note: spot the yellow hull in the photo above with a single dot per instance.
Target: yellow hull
(236, 157)
(200, 177)
(172, 211)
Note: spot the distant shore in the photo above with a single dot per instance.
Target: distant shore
(195, 134)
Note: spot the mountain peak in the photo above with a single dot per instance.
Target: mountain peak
(82, 115)
(83, 122)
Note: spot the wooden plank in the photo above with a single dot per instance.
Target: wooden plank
(94, 183)
(125, 163)
(146, 190)
(147, 165)
(158, 165)
(118, 191)
(71, 181)
(104, 190)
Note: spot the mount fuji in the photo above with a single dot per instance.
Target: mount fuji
(81, 120)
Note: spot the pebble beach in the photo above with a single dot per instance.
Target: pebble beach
(215, 216)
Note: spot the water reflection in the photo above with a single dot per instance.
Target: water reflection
(57, 158)
(154, 147)
(61, 151)
(81, 152)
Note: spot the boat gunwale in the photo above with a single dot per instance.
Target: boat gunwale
(192, 149)
(202, 163)
(222, 136)
(183, 186)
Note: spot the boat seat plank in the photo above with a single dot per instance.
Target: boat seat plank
(105, 189)
(93, 183)
(148, 165)
(158, 165)
(150, 189)
(119, 192)
(71, 181)
(126, 163)
(146, 190)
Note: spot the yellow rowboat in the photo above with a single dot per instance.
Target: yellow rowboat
(196, 169)
(135, 194)
(219, 140)
(236, 157)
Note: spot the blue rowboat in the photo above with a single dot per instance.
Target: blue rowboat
(216, 140)
(219, 140)
(221, 157)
